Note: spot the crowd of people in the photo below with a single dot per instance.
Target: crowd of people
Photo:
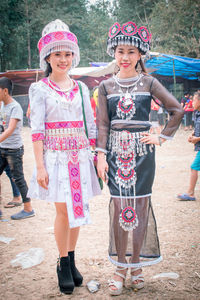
(65, 130)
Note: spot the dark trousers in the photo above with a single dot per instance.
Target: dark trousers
(14, 159)
(15, 189)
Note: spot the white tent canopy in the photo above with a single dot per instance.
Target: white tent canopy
(94, 71)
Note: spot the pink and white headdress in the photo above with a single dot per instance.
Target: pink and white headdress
(56, 36)
(128, 34)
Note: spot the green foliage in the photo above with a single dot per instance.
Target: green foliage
(175, 26)
(137, 11)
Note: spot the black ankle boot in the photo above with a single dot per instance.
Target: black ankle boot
(65, 279)
(77, 277)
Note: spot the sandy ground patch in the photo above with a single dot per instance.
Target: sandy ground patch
(178, 228)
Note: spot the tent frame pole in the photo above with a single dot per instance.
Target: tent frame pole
(174, 75)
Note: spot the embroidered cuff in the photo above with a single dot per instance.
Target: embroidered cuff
(92, 142)
(37, 137)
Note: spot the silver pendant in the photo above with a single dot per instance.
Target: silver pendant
(128, 219)
(128, 99)
(126, 106)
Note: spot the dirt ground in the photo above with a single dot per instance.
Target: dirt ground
(178, 229)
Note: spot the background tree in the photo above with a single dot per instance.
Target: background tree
(176, 27)
(138, 11)
(174, 24)
(10, 19)
(99, 20)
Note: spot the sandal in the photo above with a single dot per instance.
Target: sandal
(140, 279)
(12, 204)
(185, 197)
(117, 284)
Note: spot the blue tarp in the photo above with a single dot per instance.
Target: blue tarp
(185, 67)
(162, 64)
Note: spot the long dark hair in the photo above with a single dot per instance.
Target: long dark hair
(48, 68)
(140, 67)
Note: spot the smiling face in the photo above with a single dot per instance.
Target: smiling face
(127, 57)
(60, 61)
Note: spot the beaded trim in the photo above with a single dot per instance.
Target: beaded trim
(56, 36)
(126, 142)
(65, 139)
(58, 41)
(136, 265)
(68, 124)
(128, 34)
(126, 145)
(69, 96)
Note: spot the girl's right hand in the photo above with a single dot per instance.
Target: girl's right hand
(102, 166)
(43, 178)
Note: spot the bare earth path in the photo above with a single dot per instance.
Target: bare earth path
(178, 228)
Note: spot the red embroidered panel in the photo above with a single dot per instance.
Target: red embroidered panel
(76, 192)
(92, 142)
(37, 137)
(65, 124)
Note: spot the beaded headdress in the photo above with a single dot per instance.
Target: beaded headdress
(56, 36)
(128, 34)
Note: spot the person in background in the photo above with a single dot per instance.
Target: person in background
(93, 101)
(184, 100)
(188, 108)
(11, 145)
(154, 117)
(194, 138)
(16, 194)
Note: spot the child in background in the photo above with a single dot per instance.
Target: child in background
(194, 139)
(11, 146)
(188, 108)
(16, 193)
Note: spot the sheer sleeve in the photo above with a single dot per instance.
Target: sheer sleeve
(103, 122)
(91, 126)
(172, 106)
(37, 115)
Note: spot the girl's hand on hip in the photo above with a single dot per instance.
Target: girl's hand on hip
(43, 178)
(150, 138)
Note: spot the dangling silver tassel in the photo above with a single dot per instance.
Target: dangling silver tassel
(128, 219)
